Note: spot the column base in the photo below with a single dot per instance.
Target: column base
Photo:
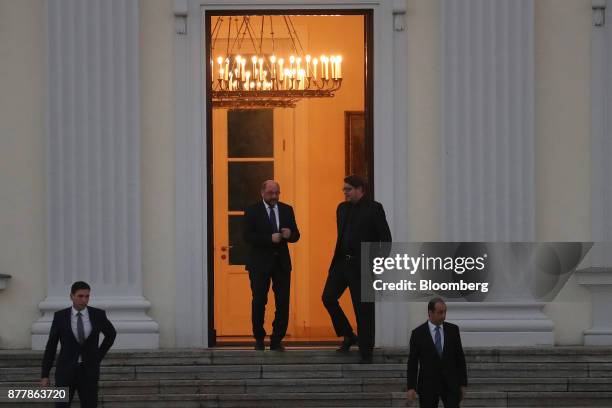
(598, 280)
(490, 324)
(594, 337)
(135, 330)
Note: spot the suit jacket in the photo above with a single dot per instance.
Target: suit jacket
(258, 235)
(91, 353)
(431, 368)
(369, 225)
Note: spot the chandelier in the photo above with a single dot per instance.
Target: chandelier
(251, 72)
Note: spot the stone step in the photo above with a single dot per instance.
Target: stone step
(512, 377)
(348, 385)
(300, 400)
(395, 399)
(28, 358)
(240, 400)
(590, 385)
(389, 370)
(559, 399)
(487, 370)
(263, 400)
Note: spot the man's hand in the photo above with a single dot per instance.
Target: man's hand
(276, 237)
(411, 395)
(44, 382)
(463, 390)
(286, 233)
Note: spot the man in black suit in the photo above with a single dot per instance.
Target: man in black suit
(78, 330)
(436, 355)
(269, 226)
(358, 220)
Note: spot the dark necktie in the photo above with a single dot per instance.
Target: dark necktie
(80, 328)
(438, 341)
(273, 220)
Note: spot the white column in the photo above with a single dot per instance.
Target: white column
(598, 276)
(93, 156)
(392, 317)
(601, 143)
(192, 306)
(488, 150)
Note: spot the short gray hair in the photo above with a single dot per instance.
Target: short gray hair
(265, 183)
(431, 306)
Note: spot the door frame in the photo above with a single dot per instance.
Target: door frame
(384, 118)
(368, 105)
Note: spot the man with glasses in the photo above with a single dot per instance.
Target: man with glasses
(358, 219)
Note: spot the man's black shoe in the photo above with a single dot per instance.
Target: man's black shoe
(259, 345)
(277, 347)
(347, 343)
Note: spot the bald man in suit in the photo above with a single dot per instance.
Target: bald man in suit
(269, 225)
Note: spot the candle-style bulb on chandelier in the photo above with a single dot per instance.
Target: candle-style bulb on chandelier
(251, 72)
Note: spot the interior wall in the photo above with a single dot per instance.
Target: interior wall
(325, 166)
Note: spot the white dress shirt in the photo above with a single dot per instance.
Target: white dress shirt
(275, 213)
(432, 331)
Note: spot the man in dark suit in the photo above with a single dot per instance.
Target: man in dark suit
(436, 363)
(78, 330)
(269, 226)
(358, 220)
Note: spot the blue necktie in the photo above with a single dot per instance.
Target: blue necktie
(438, 340)
(273, 220)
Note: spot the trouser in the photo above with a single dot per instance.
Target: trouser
(431, 401)
(82, 383)
(260, 285)
(450, 397)
(345, 274)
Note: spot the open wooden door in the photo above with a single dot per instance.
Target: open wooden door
(249, 146)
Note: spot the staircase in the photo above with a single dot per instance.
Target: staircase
(506, 377)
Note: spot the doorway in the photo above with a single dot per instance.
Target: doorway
(306, 149)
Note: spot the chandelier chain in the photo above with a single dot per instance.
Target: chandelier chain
(261, 36)
(229, 35)
(215, 33)
(251, 34)
(290, 35)
(272, 34)
(296, 36)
